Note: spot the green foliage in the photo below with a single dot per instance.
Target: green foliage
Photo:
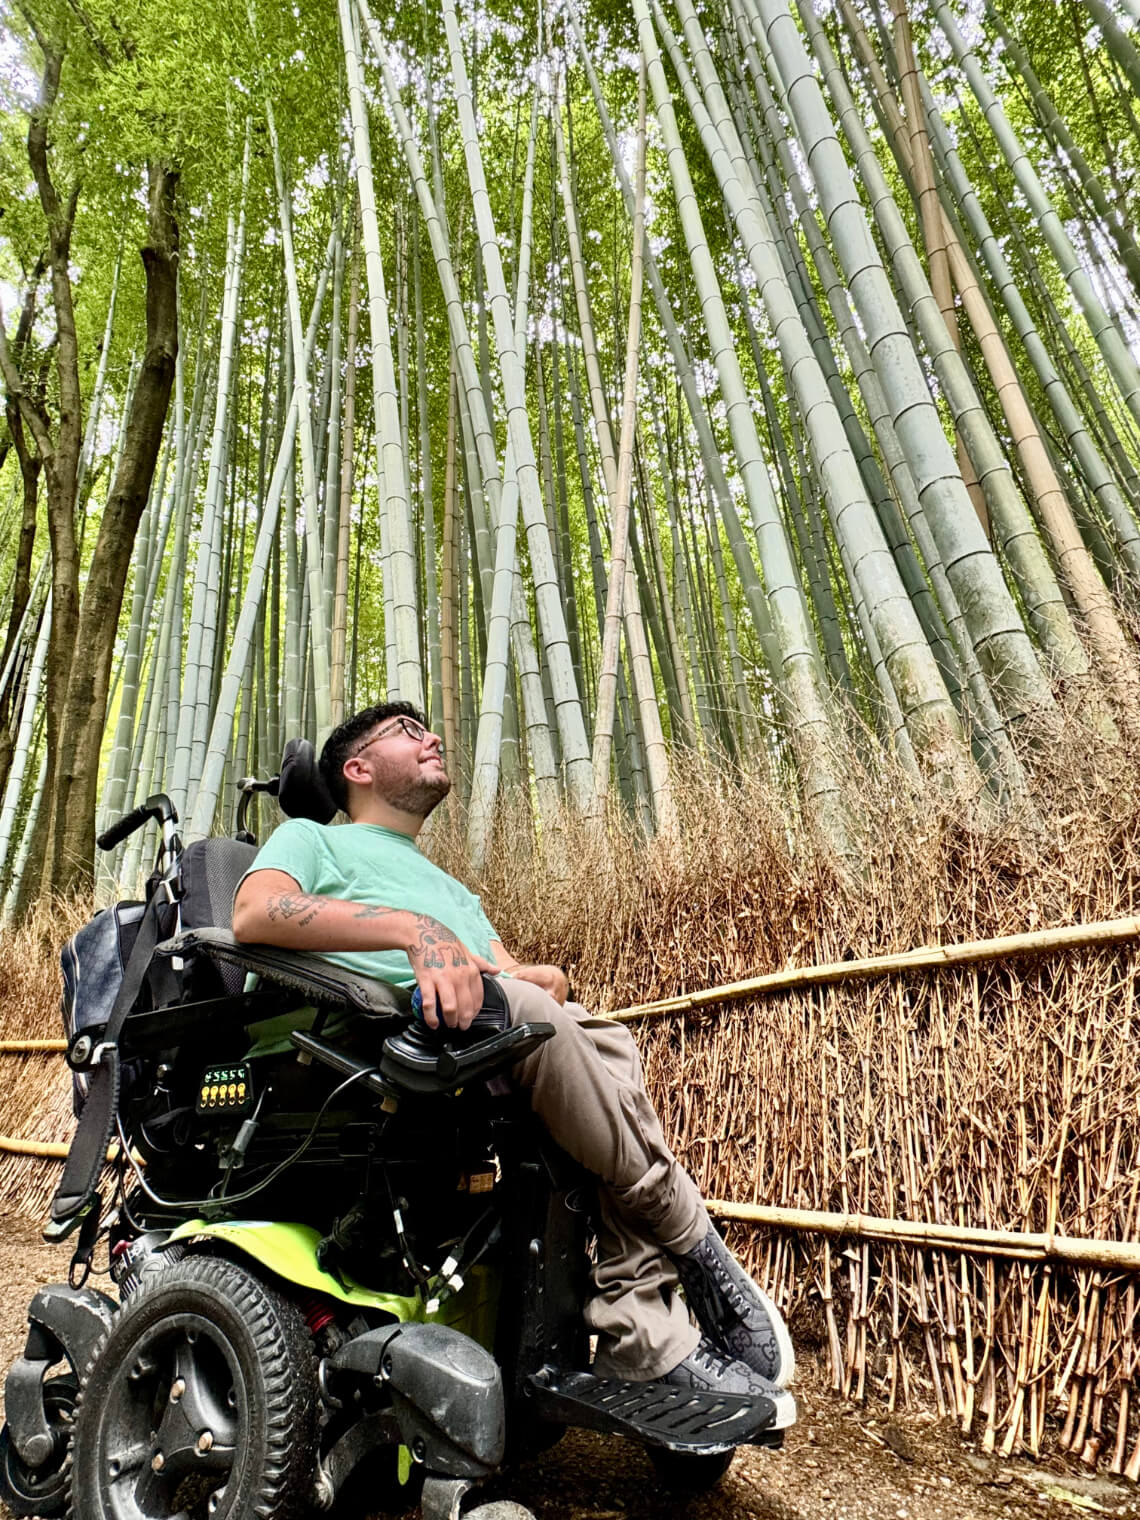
(146, 80)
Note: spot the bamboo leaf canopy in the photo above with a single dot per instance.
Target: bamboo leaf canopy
(867, 493)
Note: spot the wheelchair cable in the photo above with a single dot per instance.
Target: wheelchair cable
(218, 1191)
(242, 1197)
(449, 1279)
(407, 1255)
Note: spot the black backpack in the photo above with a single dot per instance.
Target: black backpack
(95, 959)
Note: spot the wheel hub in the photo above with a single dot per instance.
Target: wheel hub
(170, 1435)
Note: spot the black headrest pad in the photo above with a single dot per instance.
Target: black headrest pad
(301, 792)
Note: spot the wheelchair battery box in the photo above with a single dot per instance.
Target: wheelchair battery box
(225, 1089)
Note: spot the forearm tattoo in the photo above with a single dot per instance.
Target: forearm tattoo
(435, 944)
(374, 910)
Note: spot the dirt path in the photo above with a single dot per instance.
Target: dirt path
(839, 1463)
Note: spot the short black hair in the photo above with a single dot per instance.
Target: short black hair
(343, 740)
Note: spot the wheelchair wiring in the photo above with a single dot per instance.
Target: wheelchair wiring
(232, 1161)
(212, 1201)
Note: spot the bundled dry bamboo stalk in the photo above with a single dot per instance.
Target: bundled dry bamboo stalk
(926, 958)
(1123, 1256)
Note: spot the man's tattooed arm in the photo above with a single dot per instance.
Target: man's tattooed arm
(271, 908)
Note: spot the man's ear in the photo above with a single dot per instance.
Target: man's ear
(355, 771)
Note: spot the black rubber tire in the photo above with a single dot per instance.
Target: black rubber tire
(42, 1490)
(686, 1473)
(246, 1363)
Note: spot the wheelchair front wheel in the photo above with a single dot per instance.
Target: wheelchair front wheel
(685, 1473)
(41, 1490)
(199, 1402)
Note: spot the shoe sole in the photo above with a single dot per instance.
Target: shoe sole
(787, 1353)
(784, 1404)
(786, 1411)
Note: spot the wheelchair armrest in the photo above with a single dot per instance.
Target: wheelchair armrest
(417, 1063)
(319, 980)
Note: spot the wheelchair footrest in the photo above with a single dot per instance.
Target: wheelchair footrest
(660, 1414)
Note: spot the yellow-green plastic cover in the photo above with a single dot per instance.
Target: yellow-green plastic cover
(290, 1251)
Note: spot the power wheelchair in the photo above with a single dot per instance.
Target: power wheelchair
(348, 1276)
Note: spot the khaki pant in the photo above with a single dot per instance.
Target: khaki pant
(587, 1088)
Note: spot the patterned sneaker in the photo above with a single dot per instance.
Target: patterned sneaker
(706, 1370)
(742, 1322)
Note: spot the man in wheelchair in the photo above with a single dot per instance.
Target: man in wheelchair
(350, 1265)
(364, 897)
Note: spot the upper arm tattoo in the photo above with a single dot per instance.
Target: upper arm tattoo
(302, 906)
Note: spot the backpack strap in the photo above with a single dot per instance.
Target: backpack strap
(77, 1196)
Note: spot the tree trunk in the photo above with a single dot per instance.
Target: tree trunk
(30, 466)
(68, 861)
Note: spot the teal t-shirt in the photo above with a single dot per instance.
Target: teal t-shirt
(364, 863)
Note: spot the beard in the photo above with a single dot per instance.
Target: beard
(417, 795)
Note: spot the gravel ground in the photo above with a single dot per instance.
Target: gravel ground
(838, 1461)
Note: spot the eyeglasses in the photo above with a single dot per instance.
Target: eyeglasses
(414, 730)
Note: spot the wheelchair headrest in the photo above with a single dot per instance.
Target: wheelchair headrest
(301, 793)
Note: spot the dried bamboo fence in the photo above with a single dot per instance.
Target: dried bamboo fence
(955, 1158)
(955, 1164)
(36, 1124)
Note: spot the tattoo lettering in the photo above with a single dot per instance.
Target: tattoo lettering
(292, 904)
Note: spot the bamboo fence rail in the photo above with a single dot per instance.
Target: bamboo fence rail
(21, 1145)
(1113, 931)
(48, 1150)
(1017, 1245)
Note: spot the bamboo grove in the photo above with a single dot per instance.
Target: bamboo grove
(755, 382)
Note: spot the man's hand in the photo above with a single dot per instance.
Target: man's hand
(551, 979)
(449, 975)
